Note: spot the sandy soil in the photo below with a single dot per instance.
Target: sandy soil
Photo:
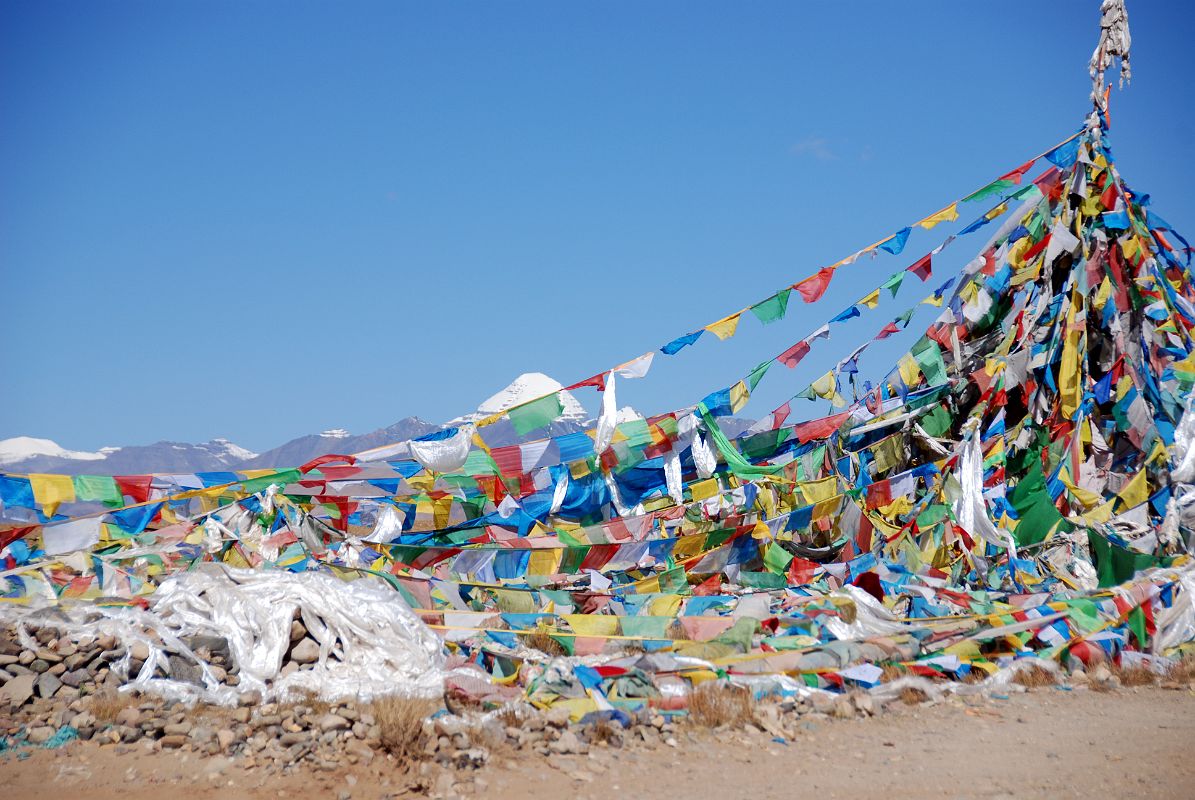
(1047, 743)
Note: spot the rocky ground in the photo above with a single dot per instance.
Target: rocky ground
(63, 722)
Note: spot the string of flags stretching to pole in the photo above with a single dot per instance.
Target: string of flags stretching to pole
(1019, 480)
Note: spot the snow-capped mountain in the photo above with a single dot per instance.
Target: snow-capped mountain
(528, 386)
(23, 448)
(24, 454)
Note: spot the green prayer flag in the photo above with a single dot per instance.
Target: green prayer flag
(776, 559)
(1136, 623)
(1035, 510)
(646, 627)
(1115, 564)
(773, 308)
(937, 422)
(928, 356)
(98, 489)
(995, 187)
(757, 374)
(281, 478)
(536, 414)
(893, 283)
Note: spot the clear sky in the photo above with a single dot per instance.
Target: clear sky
(263, 219)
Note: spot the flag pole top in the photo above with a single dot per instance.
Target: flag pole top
(1114, 44)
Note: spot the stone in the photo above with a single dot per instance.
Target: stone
(51, 656)
(201, 734)
(225, 738)
(185, 670)
(128, 715)
(177, 729)
(76, 678)
(305, 652)
(139, 651)
(332, 722)
(18, 690)
(557, 717)
(46, 684)
(173, 741)
(568, 743)
(242, 715)
(215, 645)
(40, 734)
(84, 719)
(297, 631)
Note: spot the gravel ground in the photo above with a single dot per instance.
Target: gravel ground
(1047, 743)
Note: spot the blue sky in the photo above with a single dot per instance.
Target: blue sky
(258, 220)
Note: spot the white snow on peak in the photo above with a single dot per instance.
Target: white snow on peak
(626, 414)
(526, 387)
(20, 448)
(336, 433)
(227, 449)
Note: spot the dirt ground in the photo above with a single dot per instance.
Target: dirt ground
(1047, 743)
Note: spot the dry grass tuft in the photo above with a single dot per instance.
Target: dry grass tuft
(890, 672)
(975, 675)
(1183, 672)
(105, 705)
(711, 705)
(1135, 676)
(912, 696)
(509, 716)
(604, 731)
(401, 722)
(540, 640)
(312, 700)
(1035, 677)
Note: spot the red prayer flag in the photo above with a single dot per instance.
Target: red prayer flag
(812, 288)
(597, 381)
(922, 267)
(1016, 175)
(135, 486)
(888, 330)
(330, 458)
(793, 355)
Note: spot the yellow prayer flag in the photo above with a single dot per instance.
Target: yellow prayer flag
(826, 387)
(703, 490)
(1086, 498)
(592, 624)
(872, 300)
(910, 373)
(544, 561)
(725, 327)
(1103, 293)
(689, 546)
(948, 214)
(825, 508)
(666, 605)
(1136, 491)
(816, 491)
(51, 490)
(739, 395)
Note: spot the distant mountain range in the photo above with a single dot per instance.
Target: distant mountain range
(25, 454)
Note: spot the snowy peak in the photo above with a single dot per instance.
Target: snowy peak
(526, 387)
(23, 448)
(226, 450)
(335, 433)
